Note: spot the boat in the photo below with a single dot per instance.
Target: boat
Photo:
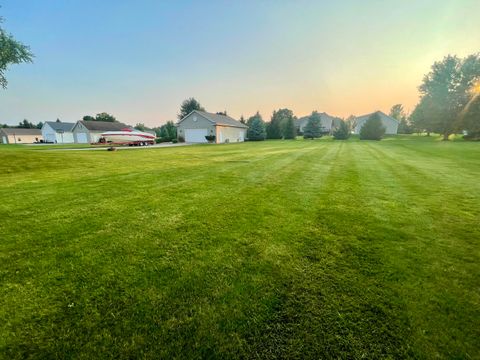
(127, 137)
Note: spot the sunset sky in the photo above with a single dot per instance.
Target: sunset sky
(139, 59)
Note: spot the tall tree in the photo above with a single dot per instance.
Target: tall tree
(11, 52)
(469, 120)
(242, 120)
(313, 129)
(88, 118)
(140, 126)
(373, 128)
(276, 126)
(397, 112)
(289, 129)
(188, 106)
(445, 92)
(25, 124)
(256, 128)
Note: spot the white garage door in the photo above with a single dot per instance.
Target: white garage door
(82, 138)
(4, 139)
(196, 135)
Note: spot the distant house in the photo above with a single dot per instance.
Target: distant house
(58, 132)
(327, 122)
(86, 132)
(198, 124)
(20, 136)
(391, 124)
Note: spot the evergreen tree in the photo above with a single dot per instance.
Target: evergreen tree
(290, 131)
(313, 129)
(188, 106)
(277, 125)
(342, 132)
(256, 128)
(373, 128)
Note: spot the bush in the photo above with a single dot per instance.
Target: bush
(210, 138)
(180, 139)
(342, 132)
(174, 141)
(373, 128)
(162, 140)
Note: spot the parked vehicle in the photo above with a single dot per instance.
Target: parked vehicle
(127, 137)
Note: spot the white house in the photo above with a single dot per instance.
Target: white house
(198, 124)
(20, 136)
(58, 132)
(390, 124)
(86, 132)
(327, 122)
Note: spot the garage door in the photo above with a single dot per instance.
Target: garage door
(82, 138)
(196, 135)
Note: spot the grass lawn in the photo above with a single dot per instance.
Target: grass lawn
(286, 249)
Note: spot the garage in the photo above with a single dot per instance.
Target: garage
(82, 138)
(196, 135)
(219, 127)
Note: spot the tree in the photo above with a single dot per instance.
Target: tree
(276, 126)
(88, 118)
(445, 92)
(11, 52)
(397, 112)
(105, 117)
(256, 128)
(167, 132)
(289, 131)
(242, 120)
(25, 124)
(39, 125)
(313, 129)
(373, 128)
(342, 132)
(140, 126)
(188, 106)
(470, 119)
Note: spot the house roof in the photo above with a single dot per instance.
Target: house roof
(323, 116)
(381, 113)
(60, 126)
(103, 125)
(21, 131)
(218, 119)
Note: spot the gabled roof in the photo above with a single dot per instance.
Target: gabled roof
(218, 119)
(60, 126)
(21, 131)
(381, 113)
(103, 125)
(323, 116)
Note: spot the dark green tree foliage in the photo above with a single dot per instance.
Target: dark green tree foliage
(373, 128)
(11, 52)
(88, 118)
(166, 132)
(446, 91)
(342, 132)
(140, 126)
(470, 119)
(313, 129)
(289, 129)
(105, 117)
(256, 128)
(276, 126)
(188, 106)
(25, 124)
(242, 120)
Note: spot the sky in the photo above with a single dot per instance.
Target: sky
(138, 60)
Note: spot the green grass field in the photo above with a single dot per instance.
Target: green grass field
(278, 249)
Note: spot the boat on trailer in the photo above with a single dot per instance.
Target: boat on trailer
(127, 137)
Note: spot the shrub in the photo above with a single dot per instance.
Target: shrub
(181, 139)
(210, 138)
(342, 132)
(175, 141)
(373, 128)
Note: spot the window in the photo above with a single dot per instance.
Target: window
(195, 118)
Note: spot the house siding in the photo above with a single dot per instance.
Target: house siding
(195, 121)
(230, 134)
(391, 125)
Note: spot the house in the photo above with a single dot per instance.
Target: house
(198, 124)
(86, 132)
(327, 122)
(58, 132)
(391, 124)
(20, 136)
